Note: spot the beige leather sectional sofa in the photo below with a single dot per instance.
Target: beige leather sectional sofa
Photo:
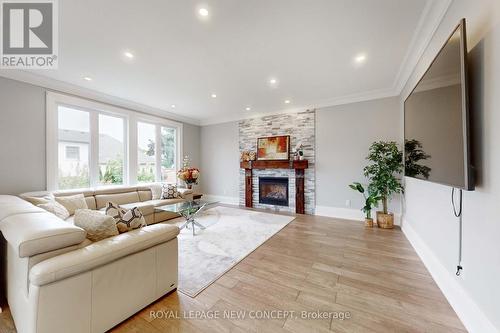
(129, 197)
(59, 281)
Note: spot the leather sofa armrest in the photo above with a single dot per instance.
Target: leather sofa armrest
(100, 253)
(34, 232)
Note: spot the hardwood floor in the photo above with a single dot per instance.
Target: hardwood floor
(315, 265)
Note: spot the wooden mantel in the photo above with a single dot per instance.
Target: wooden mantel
(275, 165)
(299, 167)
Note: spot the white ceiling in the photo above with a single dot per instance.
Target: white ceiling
(308, 45)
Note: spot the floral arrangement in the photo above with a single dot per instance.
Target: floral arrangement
(188, 174)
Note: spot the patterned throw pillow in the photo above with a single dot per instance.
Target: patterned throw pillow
(125, 220)
(97, 225)
(114, 211)
(55, 208)
(169, 191)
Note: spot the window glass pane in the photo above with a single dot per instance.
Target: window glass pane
(146, 152)
(111, 150)
(168, 171)
(73, 148)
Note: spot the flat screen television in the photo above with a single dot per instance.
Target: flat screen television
(436, 119)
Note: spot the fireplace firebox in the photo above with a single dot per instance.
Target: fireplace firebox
(273, 191)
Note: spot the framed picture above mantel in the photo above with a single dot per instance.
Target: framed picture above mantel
(273, 148)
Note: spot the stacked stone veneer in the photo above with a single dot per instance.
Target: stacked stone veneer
(301, 128)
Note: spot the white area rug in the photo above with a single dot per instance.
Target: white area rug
(230, 235)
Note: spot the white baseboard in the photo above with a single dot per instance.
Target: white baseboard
(340, 213)
(348, 213)
(222, 199)
(467, 310)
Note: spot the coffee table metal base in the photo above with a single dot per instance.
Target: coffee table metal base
(190, 219)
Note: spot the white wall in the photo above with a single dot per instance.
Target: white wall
(22, 138)
(428, 221)
(343, 135)
(191, 143)
(220, 161)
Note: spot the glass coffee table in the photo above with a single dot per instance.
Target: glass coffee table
(188, 210)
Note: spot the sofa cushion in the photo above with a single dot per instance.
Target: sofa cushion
(100, 253)
(39, 232)
(97, 225)
(145, 195)
(118, 198)
(72, 202)
(145, 207)
(163, 216)
(163, 202)
(38, 200)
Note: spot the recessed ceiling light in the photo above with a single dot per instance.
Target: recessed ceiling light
(172, 106)
(203, 12)
(287, 101)
(248, 108)
(128, 55)
(273, 81)
(87, 78)
(214, 95)
(360, 58)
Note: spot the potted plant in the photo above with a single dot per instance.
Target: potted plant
(371, 201)
(386, 163)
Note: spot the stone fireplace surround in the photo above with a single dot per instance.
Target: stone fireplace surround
(301, 128)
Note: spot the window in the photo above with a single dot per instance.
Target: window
(92, 144)
(146, 152)
(111, 150)
(168, 155)
(72, 152)
(74, 143)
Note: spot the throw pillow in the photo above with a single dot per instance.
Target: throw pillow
(156, 190)
(97, 225)
(37, 200)
(55, 208)
(114, 211)
(72, 202)
(125, 220)
(169, 191)
(130, 219)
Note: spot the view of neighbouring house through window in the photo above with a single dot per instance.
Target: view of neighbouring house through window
(111, 150)
(168, 144)
(146, 153)
(73, 146)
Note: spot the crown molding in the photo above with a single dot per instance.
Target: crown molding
(342, 100)
(432, 16)
(72, 89)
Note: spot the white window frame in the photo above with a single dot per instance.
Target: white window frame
(54, 100)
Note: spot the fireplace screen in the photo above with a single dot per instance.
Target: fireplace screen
(273, 191)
